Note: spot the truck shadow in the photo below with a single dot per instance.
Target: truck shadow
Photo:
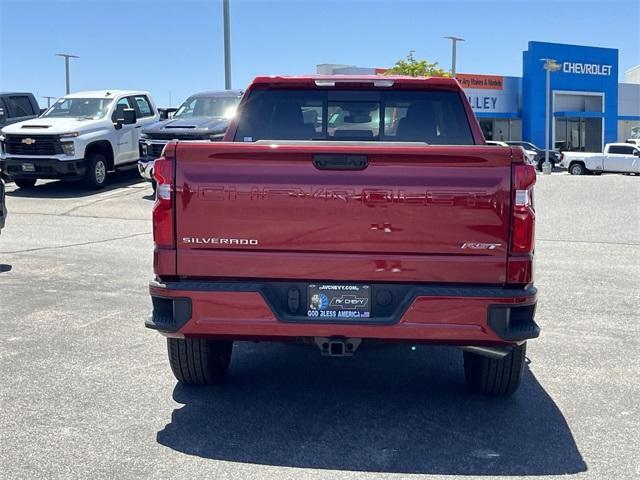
(384, 410)
(75, 189)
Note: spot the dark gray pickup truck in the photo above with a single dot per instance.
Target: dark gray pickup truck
(16, 107)
(203, 116)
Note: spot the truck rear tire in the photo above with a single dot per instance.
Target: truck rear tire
(196, 361)
(25, 182)
(497, 377)
(95, 177)
(577, 169)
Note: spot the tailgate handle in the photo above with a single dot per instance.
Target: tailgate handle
(341, 162)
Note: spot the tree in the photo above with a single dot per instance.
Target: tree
(416, 68)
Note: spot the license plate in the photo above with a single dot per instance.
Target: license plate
(339, 301)
(28, 167)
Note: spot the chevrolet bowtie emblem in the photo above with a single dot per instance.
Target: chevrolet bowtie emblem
(28, 141)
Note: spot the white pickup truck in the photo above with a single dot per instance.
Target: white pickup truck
(84, 135)
(616, 158)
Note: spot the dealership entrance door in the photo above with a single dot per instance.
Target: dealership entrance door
(578, 134)
(578, 121)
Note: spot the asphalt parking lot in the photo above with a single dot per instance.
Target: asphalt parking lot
(87, 391)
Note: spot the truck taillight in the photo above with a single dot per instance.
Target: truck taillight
(163, 229)
(523, 213)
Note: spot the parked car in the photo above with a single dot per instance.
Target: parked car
(3, 207)
(531, 156)
(616, 158)
(634, 141)
(537, 155)
(203, 116)
(16, 107)
(290, 231)
(84, 135)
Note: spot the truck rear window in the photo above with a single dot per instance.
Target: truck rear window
(434, 117)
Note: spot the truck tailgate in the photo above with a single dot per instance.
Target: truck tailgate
(273, 211)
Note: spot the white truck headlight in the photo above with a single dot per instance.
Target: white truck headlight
(68, 148)
(69, 135)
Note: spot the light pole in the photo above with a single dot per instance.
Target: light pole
(550, 66)
(66, 56)
(48, 100)
(227, 45)
(454, 43)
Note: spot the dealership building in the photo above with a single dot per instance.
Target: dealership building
(589, 106)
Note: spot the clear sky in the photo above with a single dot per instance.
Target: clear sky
(174, 48)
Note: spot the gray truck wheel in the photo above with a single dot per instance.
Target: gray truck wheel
(577, 169)
(25, 182)
(497, 377)
(96, 175)
(196, 361)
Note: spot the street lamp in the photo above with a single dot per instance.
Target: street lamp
(227, 45)
(66, 56)
(550, 66)
(454, 43)
(48, 99)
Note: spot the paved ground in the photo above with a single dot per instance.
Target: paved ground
(86, 391)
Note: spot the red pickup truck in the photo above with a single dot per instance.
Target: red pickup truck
(341, 210)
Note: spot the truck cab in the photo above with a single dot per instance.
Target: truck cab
(82, 136)
(202, 116)
(17, 107)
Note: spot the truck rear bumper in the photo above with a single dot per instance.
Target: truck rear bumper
(463, 315)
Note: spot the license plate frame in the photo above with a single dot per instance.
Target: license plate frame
(334, 301)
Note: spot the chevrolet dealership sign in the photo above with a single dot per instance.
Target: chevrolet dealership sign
(586, 68)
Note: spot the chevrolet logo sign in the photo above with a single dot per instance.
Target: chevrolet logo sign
(28, 141)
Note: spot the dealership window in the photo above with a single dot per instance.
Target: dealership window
(501, 129)
(628, 129)
(578, 134)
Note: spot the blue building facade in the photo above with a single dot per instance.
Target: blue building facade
(584, 95)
